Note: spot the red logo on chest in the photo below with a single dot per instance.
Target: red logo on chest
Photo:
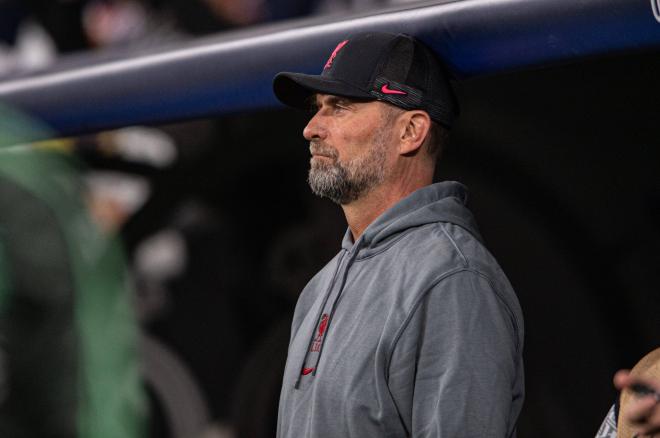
(318, 340)
(332, 57)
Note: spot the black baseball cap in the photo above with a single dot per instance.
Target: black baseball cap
(394, 68)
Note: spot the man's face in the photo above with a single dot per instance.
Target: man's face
(349, 143)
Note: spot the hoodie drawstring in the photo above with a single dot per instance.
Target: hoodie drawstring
(335, 303)
(318, 317)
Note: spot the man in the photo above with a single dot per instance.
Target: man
(412, 329)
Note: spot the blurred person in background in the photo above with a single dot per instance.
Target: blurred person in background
(24, 44)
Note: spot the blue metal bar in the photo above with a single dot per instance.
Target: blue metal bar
(233, 72)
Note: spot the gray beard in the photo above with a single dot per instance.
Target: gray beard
(343, 183)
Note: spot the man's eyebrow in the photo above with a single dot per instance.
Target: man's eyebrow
(312, 102)
(339, 100)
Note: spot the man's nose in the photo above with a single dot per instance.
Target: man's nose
(314, 129)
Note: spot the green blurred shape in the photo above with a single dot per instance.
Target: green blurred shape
(67, 328)
(17, 128)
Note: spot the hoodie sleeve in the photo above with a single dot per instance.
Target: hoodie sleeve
(455, 368)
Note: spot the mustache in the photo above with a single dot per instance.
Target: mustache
(318, 148)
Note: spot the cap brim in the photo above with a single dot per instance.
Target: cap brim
(295, 89)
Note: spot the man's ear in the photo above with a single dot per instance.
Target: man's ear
(416, 128)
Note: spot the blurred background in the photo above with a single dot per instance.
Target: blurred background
(219, 231)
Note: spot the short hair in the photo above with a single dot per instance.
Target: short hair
(436, 140)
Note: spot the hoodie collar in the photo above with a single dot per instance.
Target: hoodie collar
(440, 202)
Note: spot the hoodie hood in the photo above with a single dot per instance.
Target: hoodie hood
(440, 202)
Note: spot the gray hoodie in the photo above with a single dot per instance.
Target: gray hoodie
(411, 331)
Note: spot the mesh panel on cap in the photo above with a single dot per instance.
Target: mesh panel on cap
(419, 73)
(397, 62)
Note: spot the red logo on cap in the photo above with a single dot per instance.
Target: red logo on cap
(328, 64)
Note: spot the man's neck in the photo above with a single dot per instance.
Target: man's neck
(363, 211)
